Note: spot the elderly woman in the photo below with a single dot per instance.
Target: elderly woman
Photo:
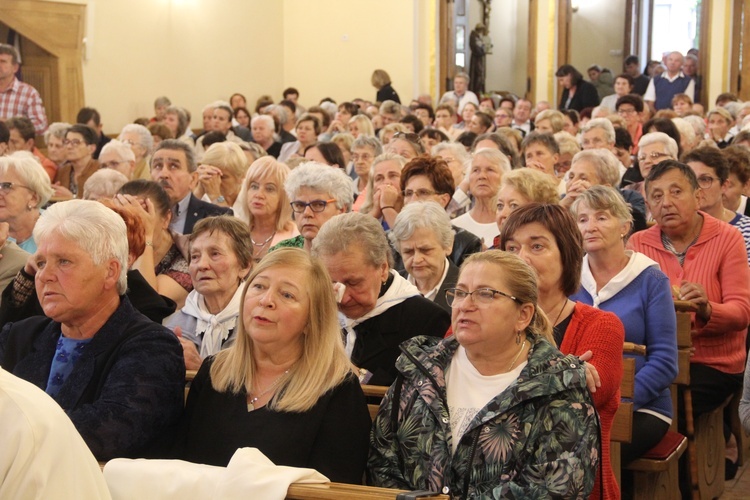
(577, 93)
(653, 148)
(177, 120)
(379, 309)
(406, 145)
(141, 143)
(428, 178)
(327, 153)
(423, 237)
(264, 206)
(54, 138)
(105, 183)
(263, 127)
(487, 169)
(118, 375)
(623, 86)
(318, 192)
(80, 145)
(163, 263)
(220, 258)
(630, 285)
(458, 161)
(519, 188)
(118, 156)
(384, 198)
(308, 128)
(549, 121)
(24, 189)
(220, 174)
(285, 386)
(364, 151)
(706, 262)
(546, 237)
(502, 438)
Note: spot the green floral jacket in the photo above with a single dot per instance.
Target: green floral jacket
(537, 439)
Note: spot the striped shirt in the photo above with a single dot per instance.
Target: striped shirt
(21, 99)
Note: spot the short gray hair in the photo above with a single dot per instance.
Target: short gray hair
(494, 156)
(104, 183)
(698, 124)
(122, 150)
(145, 139)
(176, 145)
(422, 215)
(280, 111)
(366, 141)
(59, 129)
(605, 163)
(604, 198)
(670, 145)
(603, 124)
(268, 120)
(344, 231)
(463, 75)
(458, 150)
(390, 107)
(96, 229)
(320, 177)
(27, 167)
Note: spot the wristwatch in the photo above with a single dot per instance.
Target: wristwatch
(220, 199)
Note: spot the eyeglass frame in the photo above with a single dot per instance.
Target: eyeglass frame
(309, 204)
(451, 297)
(7, 187)
(653, 156)
(710, 180)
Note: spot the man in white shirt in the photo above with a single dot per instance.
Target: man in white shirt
(461, 92)
(661, 89)
(522, 117)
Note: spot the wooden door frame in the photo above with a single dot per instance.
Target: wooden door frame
(739, 77)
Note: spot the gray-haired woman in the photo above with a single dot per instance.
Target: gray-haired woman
(380, 308)
(424, 237)
(318, 192)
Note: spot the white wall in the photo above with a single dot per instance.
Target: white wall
(509, 30)
(597, 28)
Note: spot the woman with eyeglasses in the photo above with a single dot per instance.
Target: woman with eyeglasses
(629, 107)
(481, 413)
(653, 148)
(24, 189)
(547, 238)
(264, 205)
(318, 192)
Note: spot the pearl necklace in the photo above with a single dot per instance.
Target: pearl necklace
(265, 242)
(253, 400)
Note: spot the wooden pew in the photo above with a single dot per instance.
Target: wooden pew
(656, 474)
(341, 491)
(622, 425)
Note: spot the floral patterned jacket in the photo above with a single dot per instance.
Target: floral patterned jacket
(537, 439)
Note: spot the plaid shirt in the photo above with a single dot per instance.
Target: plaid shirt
(21, 99)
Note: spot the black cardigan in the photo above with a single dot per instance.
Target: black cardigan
(586, 96)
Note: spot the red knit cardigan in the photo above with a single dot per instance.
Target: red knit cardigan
(602, 333)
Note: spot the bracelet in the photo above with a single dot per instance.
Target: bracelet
(389, 206)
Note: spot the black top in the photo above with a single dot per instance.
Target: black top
(586, 96)
(641, 84)
(378, 338)
(386, 93)
(332, 437)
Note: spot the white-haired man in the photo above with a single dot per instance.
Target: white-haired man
(461, 92)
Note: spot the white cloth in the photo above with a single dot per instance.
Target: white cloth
(399, 291)
(250, 474)
(214, 327)
(743, 204)
(637, 263)
(469, 391)
(42, 455)
(650, 94)
(485, 231)
(468, 96)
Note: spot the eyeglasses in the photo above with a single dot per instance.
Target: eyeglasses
(626, 111)
(406, 135)
(111, 164)
(363, 156)
(315, 205)
(7, 187)
(129, 142)
(706, 181)
(653, 156)
(419, 193)
(72, 142)
(481, 296)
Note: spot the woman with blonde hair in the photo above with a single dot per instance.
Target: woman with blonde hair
(286, 385)
(361, 125)
(264, 206)
(220, 174)
(521, 187)
(381, 81)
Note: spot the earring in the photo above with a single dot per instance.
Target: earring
(518, 337)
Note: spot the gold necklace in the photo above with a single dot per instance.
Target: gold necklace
(253, 400)
(517, 355)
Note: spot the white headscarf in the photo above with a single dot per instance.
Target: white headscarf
(214, 328)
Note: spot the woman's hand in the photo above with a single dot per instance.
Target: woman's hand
(695, 293)
(145, 211)
(193, 360)
(209, 178)
(574, 189)
(536, 165)
(592, 375)
(390, 197)
(62, 192)
(336, 126)
(30, 267)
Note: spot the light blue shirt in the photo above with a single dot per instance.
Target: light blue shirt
(179, 215)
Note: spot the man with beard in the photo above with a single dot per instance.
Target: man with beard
(173, 166)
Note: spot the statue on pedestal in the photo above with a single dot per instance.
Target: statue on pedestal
(480, 46)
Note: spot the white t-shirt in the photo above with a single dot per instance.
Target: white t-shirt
(469, 391)
(486, 232)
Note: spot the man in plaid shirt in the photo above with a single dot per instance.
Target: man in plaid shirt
(18, 98)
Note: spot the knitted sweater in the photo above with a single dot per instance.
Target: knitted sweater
(603, 334)
(640, 296)
(718, 261)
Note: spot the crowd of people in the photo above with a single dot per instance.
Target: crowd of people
(483, 256)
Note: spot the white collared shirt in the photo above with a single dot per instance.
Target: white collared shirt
(432, 293)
